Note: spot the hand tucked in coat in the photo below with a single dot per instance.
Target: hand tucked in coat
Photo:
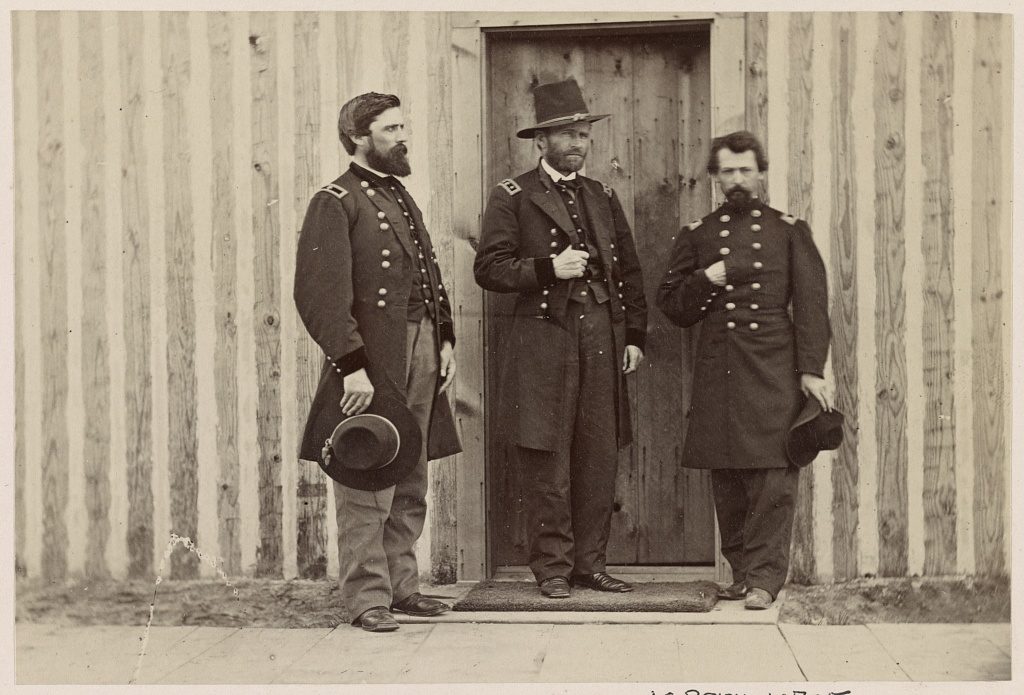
(631, 359)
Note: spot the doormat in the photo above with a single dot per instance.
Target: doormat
(657, 597)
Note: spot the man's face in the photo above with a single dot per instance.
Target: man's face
(738, 175)
(385, 145)
(565, 147)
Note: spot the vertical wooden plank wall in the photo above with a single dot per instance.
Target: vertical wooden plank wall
(176, 272)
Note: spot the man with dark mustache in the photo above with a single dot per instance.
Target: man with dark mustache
(369, 290)
(740, 271)
(561, 241)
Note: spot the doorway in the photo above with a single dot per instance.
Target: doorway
(657, 88)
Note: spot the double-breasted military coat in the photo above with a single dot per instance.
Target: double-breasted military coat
(525, 226)
(355, 266)
(760, 332)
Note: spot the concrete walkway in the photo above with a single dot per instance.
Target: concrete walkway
(578, 649)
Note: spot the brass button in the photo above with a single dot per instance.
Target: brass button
(554, 244)
(611, 246)
(730, 306)
(554, 231)
(381, 303)
(382, 291)
(755, 286)
(552, 255)
(543, 305)
(380, 214)
(385, 264)
(731, 325)
(724, 233)
(755, 228)
(758, 265)
(755, 213)
(755, 307)
(371, 193)
(615, 258)
(754, 326)
(729, 288)
(724, 218)
(724, 251)
(545, 292)
(385, 226)
(583, 293)
(364, 184)
(385, 252)
(756, 245)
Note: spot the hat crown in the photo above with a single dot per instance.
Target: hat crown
(559, 100)
(366, 442)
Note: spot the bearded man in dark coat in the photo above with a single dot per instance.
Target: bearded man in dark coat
(755, 280)
(561, 242)
(369, 291)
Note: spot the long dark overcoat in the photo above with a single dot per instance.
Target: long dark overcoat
(353, 273)
(525, 226)
(762, 330)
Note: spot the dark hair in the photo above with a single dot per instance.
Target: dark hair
(359, 112)
(739, 142)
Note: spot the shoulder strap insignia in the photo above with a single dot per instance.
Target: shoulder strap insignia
(607, 189)
(693, 225)
(510, 186)
(788, 219)
(335, 190)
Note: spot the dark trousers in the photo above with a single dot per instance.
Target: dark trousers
(572, 489)
(755, 510)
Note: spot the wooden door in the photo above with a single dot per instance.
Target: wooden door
(652, 151)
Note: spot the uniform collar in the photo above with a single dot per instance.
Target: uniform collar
(378, 179)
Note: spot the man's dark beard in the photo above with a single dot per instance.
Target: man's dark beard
(560, 162)
(394, 163)
(739, 197)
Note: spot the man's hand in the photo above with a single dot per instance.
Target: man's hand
(447, 365)
(358, 393)
(817, 388)
(716, 273)
(631, 359)
(570, 263)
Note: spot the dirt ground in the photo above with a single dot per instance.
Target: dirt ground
(903, 600)
(304, 603)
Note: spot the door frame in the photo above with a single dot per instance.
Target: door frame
(469, 32)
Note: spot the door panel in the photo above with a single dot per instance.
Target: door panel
(652, 152)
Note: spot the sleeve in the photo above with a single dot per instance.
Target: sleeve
(446, 323)
(685, 290)
(631, 277)
(323, 283)
(498, 266)
(809, 293)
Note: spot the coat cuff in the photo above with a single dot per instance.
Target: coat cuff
(447, 333)
(544, 269)
(352, 362)
(636, 336)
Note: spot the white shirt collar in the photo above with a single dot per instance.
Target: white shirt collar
(556, 175)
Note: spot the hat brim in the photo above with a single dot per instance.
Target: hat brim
(812, 432)
(527, 133)
(392, 408)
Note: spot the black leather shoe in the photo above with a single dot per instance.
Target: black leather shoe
(555, 587)
(602, 581)
(377, 619)
(733, 592)
(758, 600)
(420, 606)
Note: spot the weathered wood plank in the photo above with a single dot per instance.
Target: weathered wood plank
(728, 72)
(756, 90)
(890, 299)
(799, 186)
(658, 436)
(53, 295)
(699, 542)
(135, 270)
(989, 224)
(468, 303)
(938, 329)
(311, 507)
(225, 269)
(95, 375)
(608, 86)
(266, 230)
(180, 250)
(438, 145)
(843, 277)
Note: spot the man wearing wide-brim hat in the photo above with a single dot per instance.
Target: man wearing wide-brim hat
(561, 242)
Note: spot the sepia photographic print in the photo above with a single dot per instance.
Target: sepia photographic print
(546, 349)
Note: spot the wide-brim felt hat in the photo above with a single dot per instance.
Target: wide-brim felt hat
(813, 431)
(559, 103)
(375, 449)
